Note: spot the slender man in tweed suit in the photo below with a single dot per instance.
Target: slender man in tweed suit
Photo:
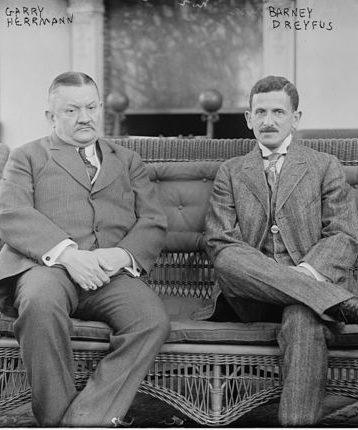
(81, 222)
(282, 230)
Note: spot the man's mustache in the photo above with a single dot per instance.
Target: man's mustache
(268, 129)
(85, 126)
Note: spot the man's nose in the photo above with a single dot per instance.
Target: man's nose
(268, 119)
(83, 116)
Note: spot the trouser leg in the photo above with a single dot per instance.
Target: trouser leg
(140, 326)
(303, 342)
(45, 297)
(256, 277)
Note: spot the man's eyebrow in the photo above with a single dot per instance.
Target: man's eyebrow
(71, 104)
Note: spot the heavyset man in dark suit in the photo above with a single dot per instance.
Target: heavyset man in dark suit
(282, 230)
(81, 222)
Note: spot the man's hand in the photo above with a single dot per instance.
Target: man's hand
(87, 269)
(116, 258)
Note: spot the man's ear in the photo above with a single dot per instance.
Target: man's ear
(297, 116)
(49, 116)
(248, 119)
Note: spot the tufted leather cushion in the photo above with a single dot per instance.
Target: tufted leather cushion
(258, 333)
(184, 189)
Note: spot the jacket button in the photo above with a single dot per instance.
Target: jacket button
(180, 207)
(274, 229)
(96, 228)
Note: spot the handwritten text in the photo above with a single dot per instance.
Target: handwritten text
(33, 16)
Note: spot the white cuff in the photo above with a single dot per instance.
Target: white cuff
(135, 270)
(51, 256)
(314, 272)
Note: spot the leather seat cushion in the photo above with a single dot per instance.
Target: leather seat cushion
(189, 331)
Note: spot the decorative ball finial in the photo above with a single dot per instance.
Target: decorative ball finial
(210, 100)
(117, 102)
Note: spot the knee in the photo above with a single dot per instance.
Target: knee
(228, 269)
(299, 322)
(153, 321)
(39, 316)
(226, 261)
(159, 324)
(39, 293)
(37, 300)
(294, 313)
(231, 266)
(37, 305)
(39, 308)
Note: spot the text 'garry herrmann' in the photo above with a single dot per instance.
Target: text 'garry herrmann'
(33, 17)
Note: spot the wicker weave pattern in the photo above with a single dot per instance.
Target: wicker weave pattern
(169, 149)
(214, 389)
(182, 274)
(211, 388)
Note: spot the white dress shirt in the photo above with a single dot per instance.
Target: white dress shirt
(51, 256)
(282, 149)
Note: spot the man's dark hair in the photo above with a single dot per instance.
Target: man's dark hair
(276, 83)
(71, 79)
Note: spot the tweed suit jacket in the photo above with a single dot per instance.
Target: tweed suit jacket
(4, 154)
(46, 196)
(315, 211)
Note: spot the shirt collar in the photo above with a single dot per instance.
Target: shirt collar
(90, 150)
(282, 149)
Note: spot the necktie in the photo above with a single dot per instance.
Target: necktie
(271, 170)
(91, 169)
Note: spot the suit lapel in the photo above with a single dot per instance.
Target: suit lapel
(67, 157)
(253, 175)
(293, 170)
(110, 167)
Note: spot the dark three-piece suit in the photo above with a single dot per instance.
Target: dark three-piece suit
(46, 197)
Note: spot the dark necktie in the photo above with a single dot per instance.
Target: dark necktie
(91, 169)
(271, 169)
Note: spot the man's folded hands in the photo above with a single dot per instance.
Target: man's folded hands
(93, 269)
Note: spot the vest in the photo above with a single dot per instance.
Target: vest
(273, 245)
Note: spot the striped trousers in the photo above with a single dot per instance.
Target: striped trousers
(260, 289)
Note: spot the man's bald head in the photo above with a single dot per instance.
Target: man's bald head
(71, 79)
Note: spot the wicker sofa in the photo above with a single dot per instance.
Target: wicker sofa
(214, 372)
